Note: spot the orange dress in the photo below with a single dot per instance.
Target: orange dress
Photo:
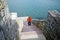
(29, 19)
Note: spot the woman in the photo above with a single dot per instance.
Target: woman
(29, 21)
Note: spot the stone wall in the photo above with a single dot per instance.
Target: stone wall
(2, 17)
(53, 25)
(10, 29)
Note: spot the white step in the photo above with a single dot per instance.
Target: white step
(32, 36)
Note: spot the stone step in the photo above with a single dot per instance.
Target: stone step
(33, 35)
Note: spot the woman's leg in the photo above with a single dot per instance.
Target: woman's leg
(29, 23)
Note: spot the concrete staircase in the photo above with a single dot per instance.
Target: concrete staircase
(31, 33)
(28, 32)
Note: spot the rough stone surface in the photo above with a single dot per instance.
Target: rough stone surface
(53, 25)
(1, 35)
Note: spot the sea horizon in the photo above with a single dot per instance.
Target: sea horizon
(37, 9)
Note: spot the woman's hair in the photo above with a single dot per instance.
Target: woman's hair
(29, 17)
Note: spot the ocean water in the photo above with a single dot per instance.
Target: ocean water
(37, 9)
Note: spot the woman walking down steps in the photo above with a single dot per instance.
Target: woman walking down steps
(29, 21)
